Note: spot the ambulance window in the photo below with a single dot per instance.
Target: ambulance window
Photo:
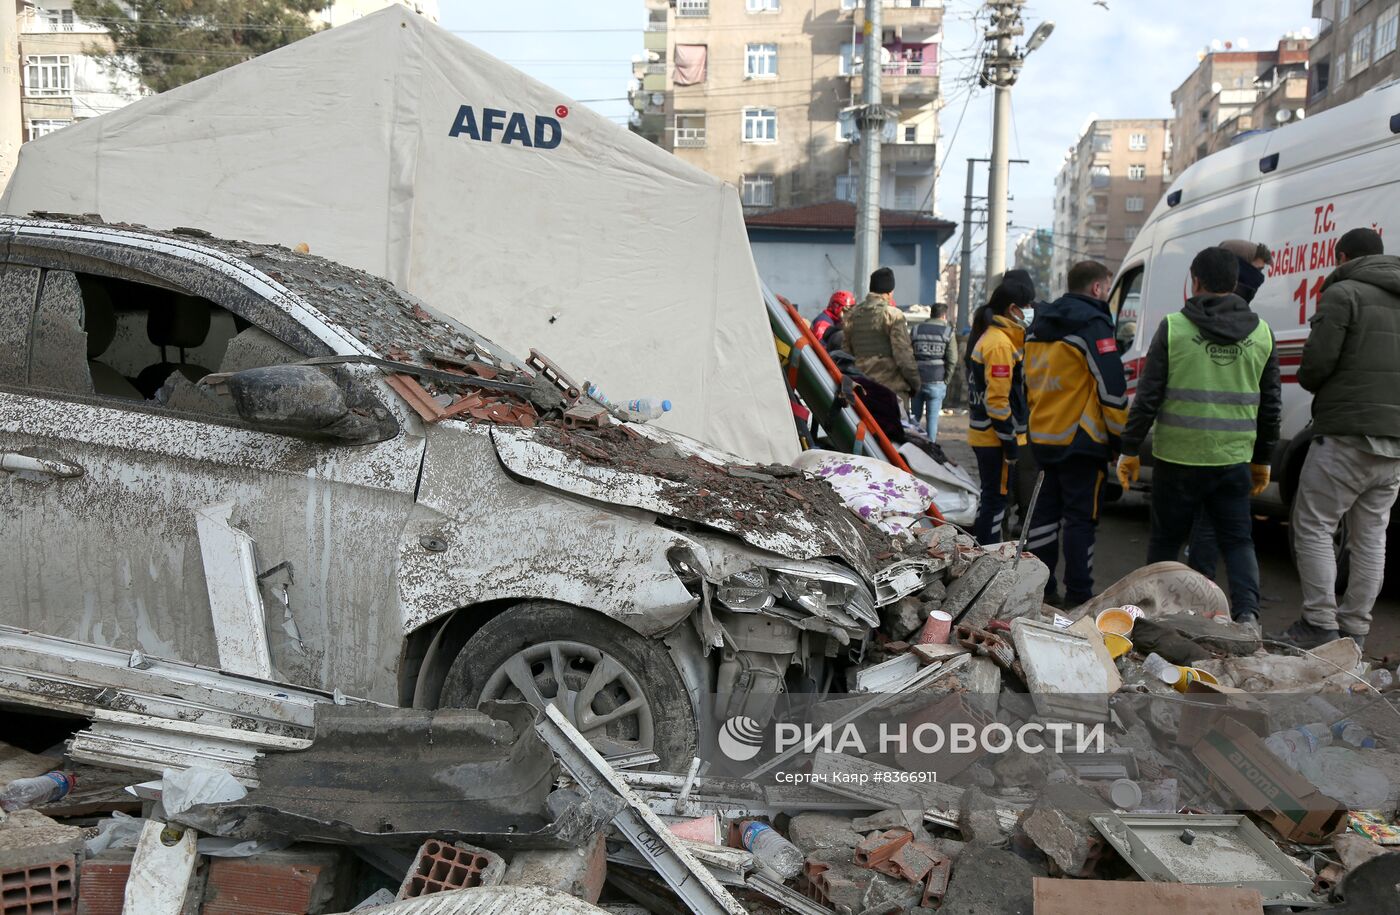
(1126, 302)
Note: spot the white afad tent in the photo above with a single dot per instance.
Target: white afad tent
(393, 146)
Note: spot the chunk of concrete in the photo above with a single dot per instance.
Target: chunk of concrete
(852, 888)
(979, 820)
(813, 832)
(934, 593)
(578, 872)
(964, 590)
(1059, 825)
(28, 838)
(904, 617)
(988, 880)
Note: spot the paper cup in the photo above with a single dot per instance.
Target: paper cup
(1115, 620)
(936, 629)
(1116, 644)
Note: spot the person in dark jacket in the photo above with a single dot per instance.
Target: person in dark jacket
(1078, 404)
(1351, 364)
(1251, 257)
(1211, 386)
(936, 353)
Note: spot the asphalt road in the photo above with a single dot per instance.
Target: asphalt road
(1121, 547)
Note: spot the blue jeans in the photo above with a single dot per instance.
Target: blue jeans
(1178, 492)
(929, 397)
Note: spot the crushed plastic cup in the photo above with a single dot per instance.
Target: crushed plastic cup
(1179, 677)
(1132, 610)
(1116, 644)
(1115, 621)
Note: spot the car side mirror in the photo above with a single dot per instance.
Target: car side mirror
(302, 400)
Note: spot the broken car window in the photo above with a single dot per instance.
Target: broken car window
(19, 286)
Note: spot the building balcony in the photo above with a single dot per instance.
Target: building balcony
(692, 9)
(900, 13)
(902, 83)
(655, 39)
(905, 154)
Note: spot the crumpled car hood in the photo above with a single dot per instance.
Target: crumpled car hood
(775, 507)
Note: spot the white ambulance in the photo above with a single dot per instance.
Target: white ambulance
(1295, 189)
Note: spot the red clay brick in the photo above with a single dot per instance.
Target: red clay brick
(451, 867)
(289, 882)
(50, 889)
(104, 886)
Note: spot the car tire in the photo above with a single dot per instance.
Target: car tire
(621, 689)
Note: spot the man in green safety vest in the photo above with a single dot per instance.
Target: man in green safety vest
(1211, 386)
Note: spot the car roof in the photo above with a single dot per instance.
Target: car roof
(365, 313)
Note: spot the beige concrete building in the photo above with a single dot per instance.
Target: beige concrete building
(1232, 92)
(60, 83)
(1111, 180)
(759, 93)
(1354, 50)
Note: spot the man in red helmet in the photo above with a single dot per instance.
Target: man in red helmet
(830, 318)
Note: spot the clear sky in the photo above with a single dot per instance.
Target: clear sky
(1120, 61)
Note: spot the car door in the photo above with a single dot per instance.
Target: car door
(123, 513)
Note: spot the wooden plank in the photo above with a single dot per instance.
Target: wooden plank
(1078, 897)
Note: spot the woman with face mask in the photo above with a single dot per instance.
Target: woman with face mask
(997, 395)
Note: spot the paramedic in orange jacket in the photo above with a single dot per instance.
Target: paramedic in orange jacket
(997, 397)
(1078, 405)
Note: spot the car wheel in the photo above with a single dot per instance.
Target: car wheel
(620, 689)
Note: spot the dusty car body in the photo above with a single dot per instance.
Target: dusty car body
(221, 453)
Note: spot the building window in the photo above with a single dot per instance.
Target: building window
(48, 74)
(1343, 9)
(1103, 142)
(1385, 31)
(1133, 204)
(44, 127)
(690, 131)
(760, 61)
(1098, 176)
(911, 133)
(846, 188)
(58, 20)
(1339, 68)
(760, 125)
(1137, 141)
(762, 6)
(1205, 117)
(1137, 172)
(692, 8)
(756, 190)
(1361, 49)
(1130, 233)
(1321, 76)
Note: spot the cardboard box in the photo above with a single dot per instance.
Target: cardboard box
(1238, 759)
(1210, 703)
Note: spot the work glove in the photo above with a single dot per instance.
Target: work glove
(1128, 470)
(1259, 478)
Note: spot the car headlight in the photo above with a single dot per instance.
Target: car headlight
(749, 591)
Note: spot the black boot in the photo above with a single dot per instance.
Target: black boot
(1304, 634)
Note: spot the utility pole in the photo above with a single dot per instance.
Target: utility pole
(965, 271)
(1003, 67)
(870, 118)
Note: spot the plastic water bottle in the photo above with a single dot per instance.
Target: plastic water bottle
(771, 849)
(646, 407)
(1344, 730)
(1294, 744)
(597, 394)
(1380, 678)
(23, 793)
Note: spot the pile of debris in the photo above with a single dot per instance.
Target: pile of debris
(1176, 762)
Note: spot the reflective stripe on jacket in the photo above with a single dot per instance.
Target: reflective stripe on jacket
(1210, 414)
(1074, 381)
(996, 388)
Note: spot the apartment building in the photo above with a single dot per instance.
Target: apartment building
(761, 93)
(1111, 180)
(1354, 50)
(1233, 92)
(61, 83)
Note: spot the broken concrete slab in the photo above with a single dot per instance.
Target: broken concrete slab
(1217, 633)
(1059, 824)
(1062, 671)
(981, 820)
(812, 832)
(28, 838)
(986, 880)
(964, 590)
(579, 872)
(1016, 590)
(904, 617)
